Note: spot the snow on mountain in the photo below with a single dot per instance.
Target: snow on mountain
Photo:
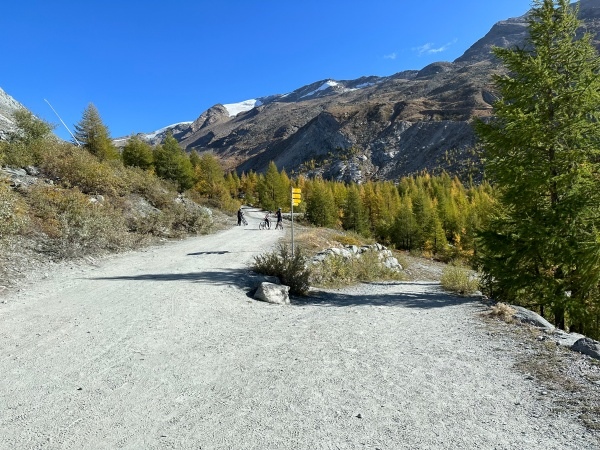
(235, 108)
(364, 85)
(152, 135)
(328, 84)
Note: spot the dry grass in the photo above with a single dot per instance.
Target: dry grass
(503, 312)
(313, 240)
(459, 280)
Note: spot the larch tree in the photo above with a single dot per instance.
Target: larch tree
(93, 135)
(542, 151)
(137, 153)
(172, 163)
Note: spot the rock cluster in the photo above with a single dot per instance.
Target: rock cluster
(352, 251)
(575, 341)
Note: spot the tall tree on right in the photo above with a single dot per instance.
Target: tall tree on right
(542, 150)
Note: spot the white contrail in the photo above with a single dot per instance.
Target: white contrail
(78, 144)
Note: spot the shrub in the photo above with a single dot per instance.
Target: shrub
(73, 225)
(337, 270)
(291, 270)
(503, 312)
(12, 212)
(349, 238)
(77, 167)
(460, 280)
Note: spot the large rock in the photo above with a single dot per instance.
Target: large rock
(273, 293)
(529, 317)
(588, 347)
(565, 339)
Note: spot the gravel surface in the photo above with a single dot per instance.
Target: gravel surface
(164, 349)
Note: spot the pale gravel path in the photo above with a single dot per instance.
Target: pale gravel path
(163, 349)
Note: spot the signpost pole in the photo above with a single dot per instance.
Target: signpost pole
(292, 222)
(296, 199)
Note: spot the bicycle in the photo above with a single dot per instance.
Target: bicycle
(264, 225)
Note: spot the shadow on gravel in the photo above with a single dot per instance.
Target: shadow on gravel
(401, 296)
(236, 277)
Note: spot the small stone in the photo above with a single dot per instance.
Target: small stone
(359, 416)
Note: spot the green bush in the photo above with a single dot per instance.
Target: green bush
(291, 270)
(459, 279)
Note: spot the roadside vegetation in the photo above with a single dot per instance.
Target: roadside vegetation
(531, 229)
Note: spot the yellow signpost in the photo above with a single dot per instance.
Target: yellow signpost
(296, 199)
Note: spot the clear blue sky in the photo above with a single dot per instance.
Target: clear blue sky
(149, 64)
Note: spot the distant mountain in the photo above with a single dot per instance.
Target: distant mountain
(369, 128)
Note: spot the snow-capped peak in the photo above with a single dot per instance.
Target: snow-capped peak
(235, 108)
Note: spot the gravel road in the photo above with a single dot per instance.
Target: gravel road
(164, 349)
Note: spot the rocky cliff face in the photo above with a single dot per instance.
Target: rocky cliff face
(8, 105)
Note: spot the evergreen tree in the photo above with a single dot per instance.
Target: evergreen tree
(137, 153)
(543, 152)
(194, 158)
(172, 163)
(405, 229)
(210, 180)
(320, 206)
(354, 216)
(272, 189)
(94, 136)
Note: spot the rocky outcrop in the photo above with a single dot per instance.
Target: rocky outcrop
(8, 106)
(385, 256)
(524, 315)
(588, 347)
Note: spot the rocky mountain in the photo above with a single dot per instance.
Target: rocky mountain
(8, 105)
(369, 128)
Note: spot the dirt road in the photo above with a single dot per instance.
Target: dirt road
(163, 349)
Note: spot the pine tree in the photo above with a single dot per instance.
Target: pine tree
(543, 153)
(172, 163)
(137, 153)
(273, 188)
(94, 136)
(354, 216)
(320, 206)
(210, 180)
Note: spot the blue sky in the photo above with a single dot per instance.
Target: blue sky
(146, 65)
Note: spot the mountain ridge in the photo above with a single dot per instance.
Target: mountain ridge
(372, 127)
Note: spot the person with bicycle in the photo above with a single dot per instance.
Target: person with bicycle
(279, 220)
(240, 216)
(267, 222)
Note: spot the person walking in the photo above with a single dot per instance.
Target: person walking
(279, 220)
(240, 215)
